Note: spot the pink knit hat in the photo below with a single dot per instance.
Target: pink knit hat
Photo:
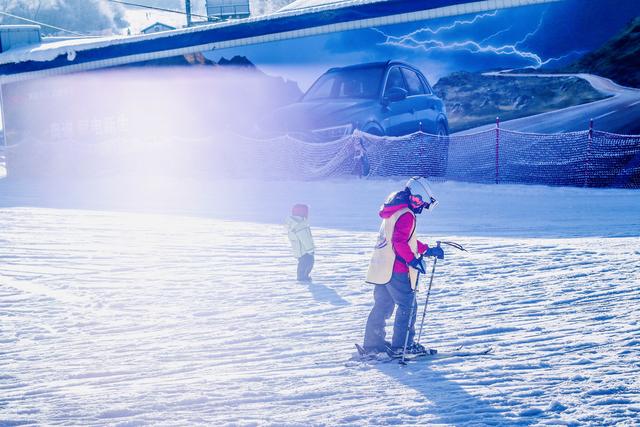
(300, 210)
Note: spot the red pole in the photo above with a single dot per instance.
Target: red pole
(497, 146)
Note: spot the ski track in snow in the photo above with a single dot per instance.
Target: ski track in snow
(128, 319)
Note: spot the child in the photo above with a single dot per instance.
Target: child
(397, 258)
(301, 240)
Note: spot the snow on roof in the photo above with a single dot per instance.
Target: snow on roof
(47, 51)
(306, 4)
(143, 18)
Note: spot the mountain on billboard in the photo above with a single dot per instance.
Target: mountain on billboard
(475, 99)
(618, 59)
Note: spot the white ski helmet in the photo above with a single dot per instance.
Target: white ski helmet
(420, 194)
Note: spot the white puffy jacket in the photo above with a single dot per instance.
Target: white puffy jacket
(300, 237)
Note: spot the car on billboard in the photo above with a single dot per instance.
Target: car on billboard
(389, 98)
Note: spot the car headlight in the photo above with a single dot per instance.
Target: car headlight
(333, 133)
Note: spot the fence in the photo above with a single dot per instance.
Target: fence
(588, 158)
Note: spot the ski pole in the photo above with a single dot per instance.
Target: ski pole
(413, 304)
(424, 312)
(433, 270)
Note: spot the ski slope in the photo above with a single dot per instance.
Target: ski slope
(161, 306)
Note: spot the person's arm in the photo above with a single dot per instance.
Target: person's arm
(400, 239)
(297, 226)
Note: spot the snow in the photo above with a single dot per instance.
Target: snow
(141, 18)
(49, 50)
(175, 304)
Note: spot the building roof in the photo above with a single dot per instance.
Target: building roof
(157, 23)
(301, 18)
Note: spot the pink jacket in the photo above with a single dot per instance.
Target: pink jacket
(401, 236)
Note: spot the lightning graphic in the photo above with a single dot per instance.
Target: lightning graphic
(486, 39)
(469, 46)
(454, 24)
(419, 40)
(420, 31)
(560, 58)
(532, 33)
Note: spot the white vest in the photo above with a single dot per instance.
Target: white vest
(381, 265)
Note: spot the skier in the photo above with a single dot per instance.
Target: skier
(396, 260)
(299, 234)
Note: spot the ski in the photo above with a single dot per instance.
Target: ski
(386, 357)
(363, 356)
(447, 354)
(428, 352)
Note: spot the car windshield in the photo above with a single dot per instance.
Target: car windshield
(349, 83)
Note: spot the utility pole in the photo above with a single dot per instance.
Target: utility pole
(187, 6)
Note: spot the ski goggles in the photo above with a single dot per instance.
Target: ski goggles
(416, 202)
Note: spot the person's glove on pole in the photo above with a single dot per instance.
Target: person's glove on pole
(436, 252)
(418, 264)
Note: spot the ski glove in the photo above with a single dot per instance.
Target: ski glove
(436, 252)
(418, 264)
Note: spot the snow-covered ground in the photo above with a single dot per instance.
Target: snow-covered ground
(117, 307)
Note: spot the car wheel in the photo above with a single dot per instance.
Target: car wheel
(373, 129)
(442, 130)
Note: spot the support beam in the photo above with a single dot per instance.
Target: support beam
(187, 7)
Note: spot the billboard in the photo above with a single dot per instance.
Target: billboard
(443, 77)
(225, 9)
